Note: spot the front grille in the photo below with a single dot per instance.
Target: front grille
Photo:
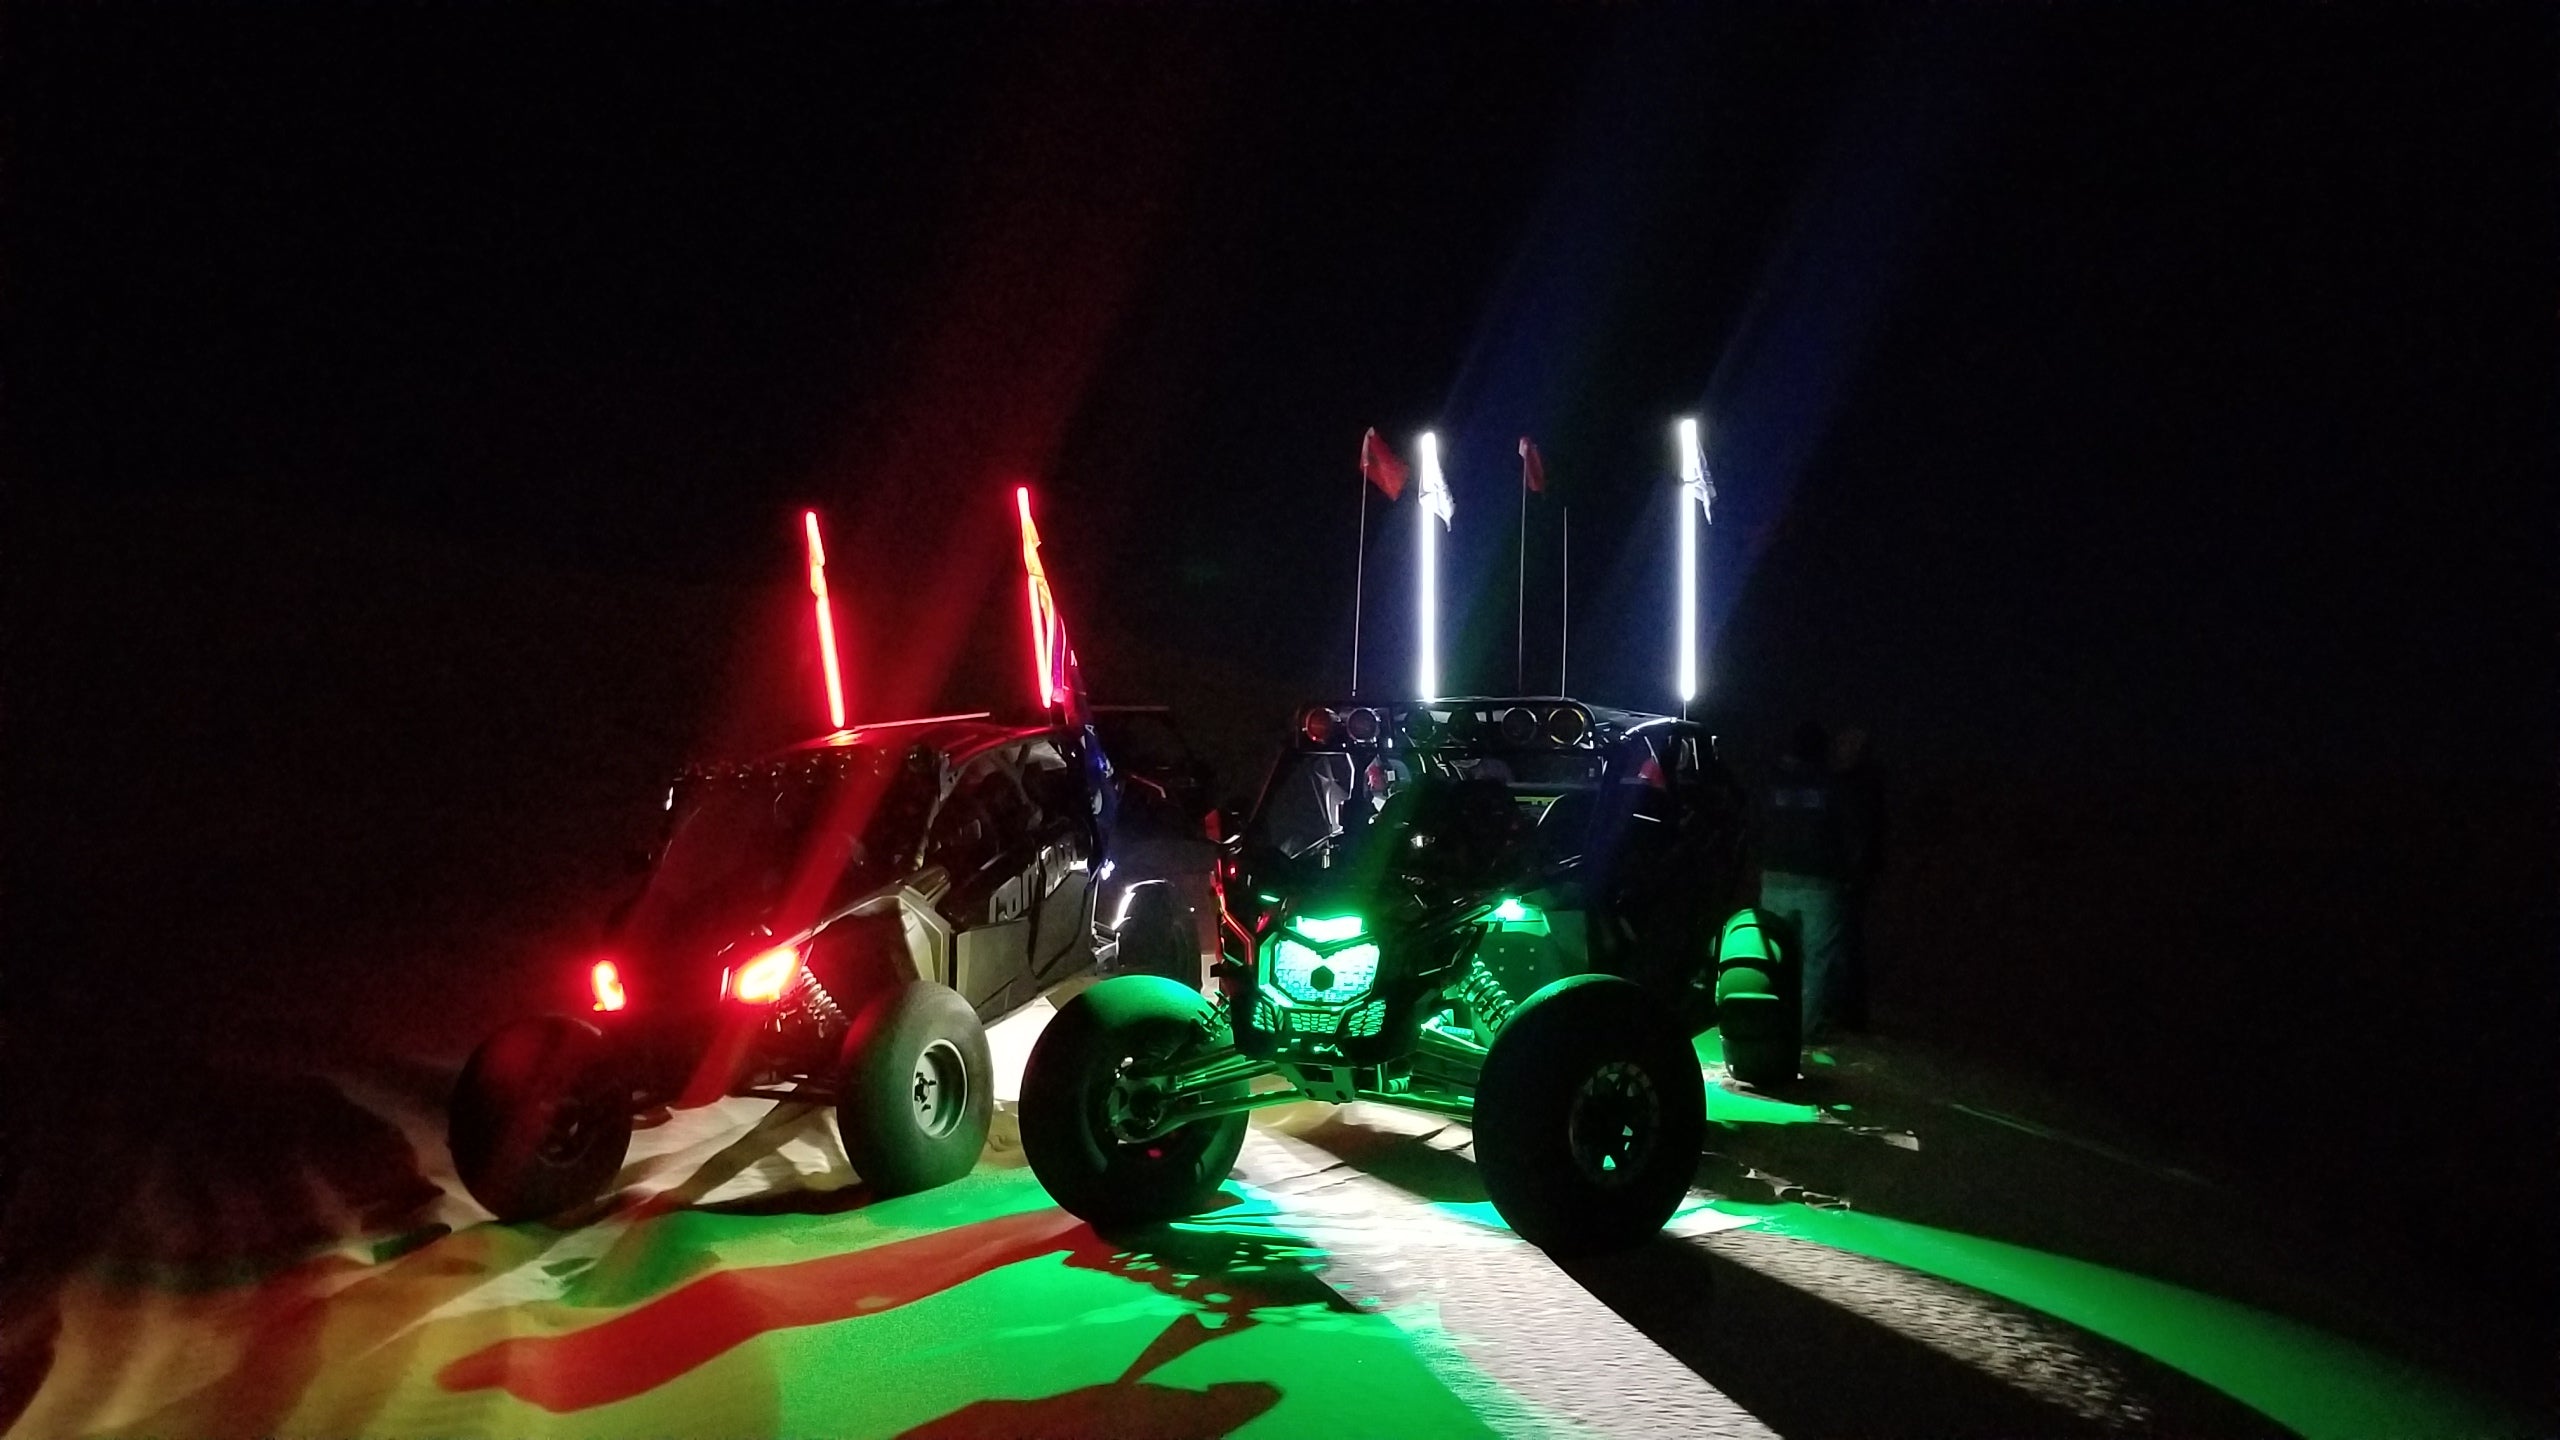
(1313, 1022)
(1368, 1019)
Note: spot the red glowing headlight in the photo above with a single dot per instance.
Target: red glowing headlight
(763, 980)
(606, 977)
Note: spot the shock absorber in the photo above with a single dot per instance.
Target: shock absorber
(821, 1005)
(1488, 1002)
(1216, 1023)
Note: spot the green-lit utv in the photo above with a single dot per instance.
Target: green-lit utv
(1516, 911)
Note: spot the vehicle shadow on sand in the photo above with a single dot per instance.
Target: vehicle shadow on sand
(1813, 1339)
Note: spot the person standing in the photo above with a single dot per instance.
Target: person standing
(1806, 865)
(1862, 812)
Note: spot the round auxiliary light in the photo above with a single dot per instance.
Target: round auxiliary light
(1463, 723)
(1319, 726)
(1567, 725)
(1519, 725)
(1361, 725)
(1417, 725)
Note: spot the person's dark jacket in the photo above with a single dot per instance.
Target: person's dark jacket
(1806, 825)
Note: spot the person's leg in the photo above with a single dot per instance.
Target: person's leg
(1787, 898)
(1849, 982)
(1818, 918)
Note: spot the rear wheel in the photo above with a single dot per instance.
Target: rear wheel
(1079, 1097)
(1758, 1013)
(1589, 1116)
(917, 1092)
(539, 1122)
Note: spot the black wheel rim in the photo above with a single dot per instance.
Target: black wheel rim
(1615, 1124)
(567, 1131)
(1111, 1120)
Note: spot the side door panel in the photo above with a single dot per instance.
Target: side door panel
(980, 836)
(1062, 940)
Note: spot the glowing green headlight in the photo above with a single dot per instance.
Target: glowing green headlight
(1325, 929)
(1336, 974)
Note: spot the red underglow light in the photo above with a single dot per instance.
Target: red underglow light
(1044, 608)
(762, 980)
(826, 622)
(607, 979)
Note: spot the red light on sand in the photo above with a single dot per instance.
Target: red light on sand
(826, 622)
(762, 980)
(1044, 608)
(606, 977)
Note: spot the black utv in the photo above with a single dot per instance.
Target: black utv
(833, 924)
(836, 923)
(1515, 911)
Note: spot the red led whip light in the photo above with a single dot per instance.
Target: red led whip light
(1044, 608)
(826, 622)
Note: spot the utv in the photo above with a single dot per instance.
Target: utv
(834, 923)
(1516, 911)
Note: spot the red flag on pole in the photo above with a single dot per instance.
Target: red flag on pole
(1533, 468)
(1380, 467)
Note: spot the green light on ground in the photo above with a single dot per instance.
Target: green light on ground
(1745, 1107)
(1221, 1328)
(2314, 1383)
(1510, 911)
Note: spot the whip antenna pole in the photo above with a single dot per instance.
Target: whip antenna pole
(1520, 598)
(1359, 574)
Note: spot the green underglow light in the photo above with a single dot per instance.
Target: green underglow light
(1510, 910)
(2317, 1384)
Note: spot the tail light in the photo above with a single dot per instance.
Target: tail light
(606, 977)
(767, 977)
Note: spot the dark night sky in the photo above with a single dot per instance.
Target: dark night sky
(2162, 379)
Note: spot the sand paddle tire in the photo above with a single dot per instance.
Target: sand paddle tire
(918, 1090)
(1758, 1013)
(1589, 1117)
(539, 1122)
(1086, 1092)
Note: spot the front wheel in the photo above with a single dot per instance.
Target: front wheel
(917, 1092)
(1589, 1117)
(1078, 1094)
(539, 1122)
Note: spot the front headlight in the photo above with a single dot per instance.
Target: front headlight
(1322, 960)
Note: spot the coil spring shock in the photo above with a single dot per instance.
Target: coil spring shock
(1488, 1002)
(1217, 1022)
(814, 998)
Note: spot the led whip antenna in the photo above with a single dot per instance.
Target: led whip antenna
(1435, 506)
(826, 621)
(1696, 499)
(1044, 608)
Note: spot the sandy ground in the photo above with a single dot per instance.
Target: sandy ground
(1895, 1246)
